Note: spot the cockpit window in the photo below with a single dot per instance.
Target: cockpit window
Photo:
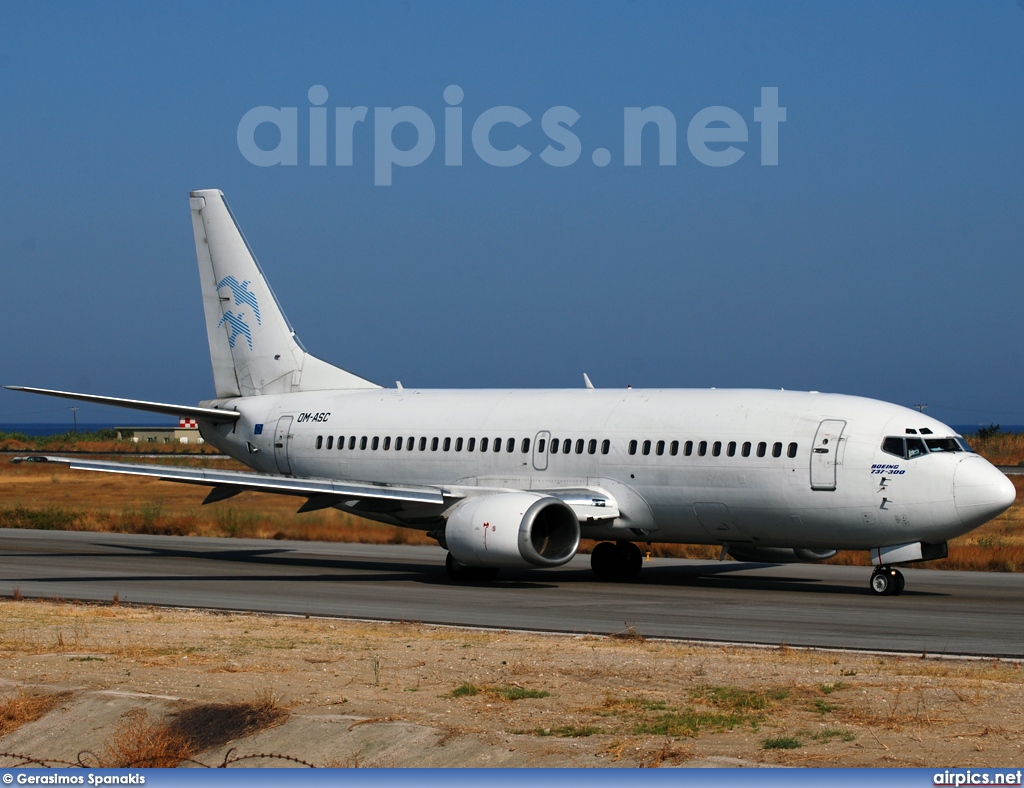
(909, 448)
(915, 448)
(893, 446)
(943, 444)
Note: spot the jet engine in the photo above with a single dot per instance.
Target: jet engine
(515, 529)
(780, 555)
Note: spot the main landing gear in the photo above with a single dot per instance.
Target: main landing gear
(617, 561)
(887, 581)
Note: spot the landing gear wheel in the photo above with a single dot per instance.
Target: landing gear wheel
(632, 560)
(604, 561)
(618, 561)
(886, 581)
(468, 574)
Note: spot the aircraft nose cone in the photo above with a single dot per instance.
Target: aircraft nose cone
(981, 491)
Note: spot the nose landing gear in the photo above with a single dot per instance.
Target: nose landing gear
(887, 581)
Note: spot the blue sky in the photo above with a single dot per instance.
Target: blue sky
(881, 256)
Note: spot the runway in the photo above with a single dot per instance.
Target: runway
(975, 613)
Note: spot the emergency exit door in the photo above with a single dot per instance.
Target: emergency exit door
(283, 437)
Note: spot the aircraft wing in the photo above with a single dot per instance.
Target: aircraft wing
(321, 493)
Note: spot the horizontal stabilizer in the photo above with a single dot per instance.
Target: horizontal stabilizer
(182, 411)
(285, 485)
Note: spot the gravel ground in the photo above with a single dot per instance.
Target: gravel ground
(407, 694)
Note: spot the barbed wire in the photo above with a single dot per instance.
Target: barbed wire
(84, 756)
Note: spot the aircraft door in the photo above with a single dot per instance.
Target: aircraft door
(825, 454)
(540, 450)
(282, 437)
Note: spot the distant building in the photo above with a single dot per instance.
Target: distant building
(187, 431)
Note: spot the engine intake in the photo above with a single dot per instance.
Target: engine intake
(512, 530)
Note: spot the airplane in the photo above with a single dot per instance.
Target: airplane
(515, 478)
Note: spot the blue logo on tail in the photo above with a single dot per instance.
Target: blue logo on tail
(238, 326)
(240, 291)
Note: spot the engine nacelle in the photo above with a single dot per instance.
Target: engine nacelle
(512, 530)
(780, 555)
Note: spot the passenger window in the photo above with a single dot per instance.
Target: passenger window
(893, 446)
(647, 448)
(777, 450)
(566, 446)
(659, 449)
(319, 441)
(483, 444)
(554, 445)
(526, 446)
(434, 443)
(470, 444)
(387, 443)
(592, 447)
(702, 448)
(447, 445)
(792, 450)
(351, 442)
(915, 448)
(673, 448)
(423, 444)
(341, 442)
(605, 446)
(458, 444)
(632, 447)
(375, 443)
(717, 448)
(398, 443)
(497, 444)
(510, 445)
(745, 451)
(330, 441)
(762, 447)
(731, 449)
(362, 443)
(579, 445)
(688, 448)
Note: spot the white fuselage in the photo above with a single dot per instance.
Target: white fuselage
(694, 466)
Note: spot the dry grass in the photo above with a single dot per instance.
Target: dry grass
(1003, 448)
(25, 707)
(41, 496)
(142, 742)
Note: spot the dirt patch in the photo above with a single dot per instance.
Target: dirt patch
(339, 692)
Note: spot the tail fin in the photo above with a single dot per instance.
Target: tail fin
(252, 346)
